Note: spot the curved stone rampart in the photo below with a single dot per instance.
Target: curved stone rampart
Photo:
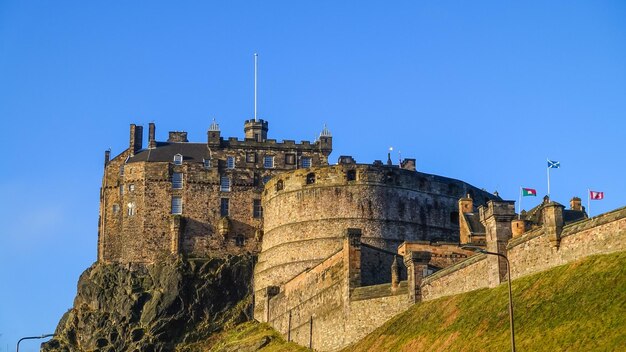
(306, 212)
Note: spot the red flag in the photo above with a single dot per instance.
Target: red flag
(596, 195)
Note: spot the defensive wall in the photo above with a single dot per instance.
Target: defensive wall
(306, 213)
(541, 248)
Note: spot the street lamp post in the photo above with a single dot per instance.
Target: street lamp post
(508, 269)
(31, 338)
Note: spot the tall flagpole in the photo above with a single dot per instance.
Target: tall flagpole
(256, 59)
(519, 207)
(548, 179)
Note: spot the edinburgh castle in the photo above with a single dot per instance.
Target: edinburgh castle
(341, 248)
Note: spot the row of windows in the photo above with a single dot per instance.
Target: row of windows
(225, 182)
(268, 161)
(310, 179)
(257, 209)
(177, 207)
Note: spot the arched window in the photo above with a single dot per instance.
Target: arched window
(310, 178)
(178, 159)
(279, 185)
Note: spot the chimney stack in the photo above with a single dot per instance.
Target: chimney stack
(151, 138)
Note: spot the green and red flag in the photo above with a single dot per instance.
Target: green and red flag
(529, 192)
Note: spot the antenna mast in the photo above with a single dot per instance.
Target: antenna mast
(256, 59)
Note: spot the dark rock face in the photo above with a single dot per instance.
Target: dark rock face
(121, 307)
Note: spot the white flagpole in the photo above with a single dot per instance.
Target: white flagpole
(548, 179)
(519, 206)
(256, 59)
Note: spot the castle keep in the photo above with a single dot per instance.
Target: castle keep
(195, 199)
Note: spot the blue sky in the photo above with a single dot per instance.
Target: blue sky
(482, 91)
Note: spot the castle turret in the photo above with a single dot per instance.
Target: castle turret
(326, 141)
(496, 217)
(213, 134)
(256, 130)
(136, 135)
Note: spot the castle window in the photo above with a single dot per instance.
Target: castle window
(206, 163)
(132, 209)
(131, 187)
(121, 170)
(306, 162)
(257, 209)
(224, 206)
(268, 162)
(178, 159)
(310, 178)
(290, 159)
(454, 217)
(121, 190)
(351, 175)
(251, 157)
(240, 240)
(116, 208)
(230, 162)
(177, 205)
(225, 184)
(279, 185)
(256, 178)
(177, 180)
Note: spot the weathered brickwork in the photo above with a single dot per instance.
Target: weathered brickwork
(533, 251)
(206, 203)
(307, 211)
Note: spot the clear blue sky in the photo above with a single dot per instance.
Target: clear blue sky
(482, 91)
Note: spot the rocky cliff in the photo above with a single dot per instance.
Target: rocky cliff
(154, 307)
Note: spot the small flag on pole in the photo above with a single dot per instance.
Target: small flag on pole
(593, 195)
(529, 192)
(553, 164)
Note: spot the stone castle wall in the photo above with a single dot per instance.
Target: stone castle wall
(137, 223)
(307, 211)
(533, 252)
(321, 307)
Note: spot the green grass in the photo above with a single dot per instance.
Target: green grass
(246, 337)
(576, 307)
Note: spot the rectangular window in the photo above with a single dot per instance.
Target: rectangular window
(230, 162)
(290, 159)
(207, 163)
(178, 159)
(257, 209)
(225, 184)
(132, 210)
(177, 180)
(177, 205)
(131, 188)
(268, 162)
(122, 170)
(121, 190)
(224, 206)
(116, 208)
(251, 157)
(306, 162)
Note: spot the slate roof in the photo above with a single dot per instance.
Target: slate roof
(165, 151)
(473, 221)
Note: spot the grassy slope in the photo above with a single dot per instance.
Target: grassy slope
(575, 307)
